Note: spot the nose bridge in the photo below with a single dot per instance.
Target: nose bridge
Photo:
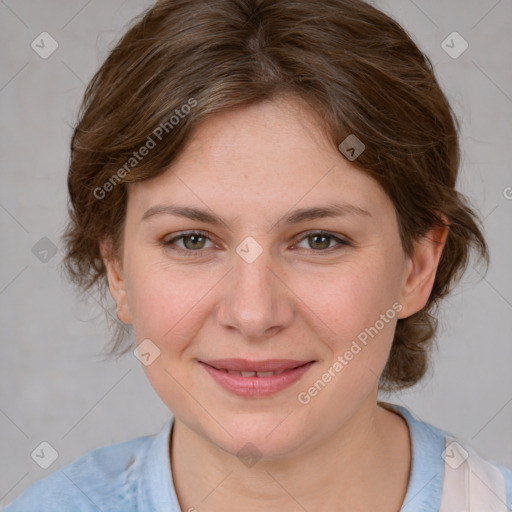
(255, 301)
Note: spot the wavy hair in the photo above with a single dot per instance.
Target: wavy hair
(354, 65)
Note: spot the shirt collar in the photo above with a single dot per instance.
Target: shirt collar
(157, 492)
(156, 486)
(427, 467)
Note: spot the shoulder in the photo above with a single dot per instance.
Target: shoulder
(463, 475)
(470, 477)
(507, 475)
(102, 479)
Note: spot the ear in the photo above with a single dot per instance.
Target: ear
(421, 270)
(116, 280)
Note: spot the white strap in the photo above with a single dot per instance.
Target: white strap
(471, 483)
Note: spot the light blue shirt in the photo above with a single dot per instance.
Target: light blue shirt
(136, 476)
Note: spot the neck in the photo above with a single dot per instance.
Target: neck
(369, 452)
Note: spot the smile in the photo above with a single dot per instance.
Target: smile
(255, 379)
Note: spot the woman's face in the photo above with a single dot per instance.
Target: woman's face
(260, 288)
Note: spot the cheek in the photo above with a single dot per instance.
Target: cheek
(351, 308)
(165, 303)
(169, 307)
(354, 295)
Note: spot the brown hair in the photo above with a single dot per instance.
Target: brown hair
(182, 61)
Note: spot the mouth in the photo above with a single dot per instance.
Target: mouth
(256, 378)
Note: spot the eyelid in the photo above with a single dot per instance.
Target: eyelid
(341, 242)
(183, 234)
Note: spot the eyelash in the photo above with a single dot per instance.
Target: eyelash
(194, 253)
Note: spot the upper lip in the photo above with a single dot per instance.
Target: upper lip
(241, 365)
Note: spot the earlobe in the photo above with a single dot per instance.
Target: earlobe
(421, 270)
(116, 281)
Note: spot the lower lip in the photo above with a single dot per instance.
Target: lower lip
(256, 386)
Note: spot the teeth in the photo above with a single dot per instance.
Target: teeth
(254, 374)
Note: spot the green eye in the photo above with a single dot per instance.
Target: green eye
(194, 242)
(322, 241)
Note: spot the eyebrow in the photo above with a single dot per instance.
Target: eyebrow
(295, 217)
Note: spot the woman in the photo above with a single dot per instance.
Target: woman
(268, 191)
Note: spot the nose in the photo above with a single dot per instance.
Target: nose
(256, 299)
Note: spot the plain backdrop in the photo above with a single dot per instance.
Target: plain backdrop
(55, 387)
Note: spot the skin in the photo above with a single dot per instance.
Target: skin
(297, 300)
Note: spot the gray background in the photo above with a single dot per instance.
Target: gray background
(55, 387)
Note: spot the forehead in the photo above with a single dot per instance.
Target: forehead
(272, 155)
(282, 120)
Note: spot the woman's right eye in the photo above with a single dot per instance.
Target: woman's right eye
(193, 242)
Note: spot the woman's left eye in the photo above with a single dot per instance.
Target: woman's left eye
(194, 241)
(322, 241)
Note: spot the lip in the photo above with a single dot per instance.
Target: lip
(268, 365)
(254, 387)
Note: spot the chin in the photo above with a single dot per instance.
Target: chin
(260, 435)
